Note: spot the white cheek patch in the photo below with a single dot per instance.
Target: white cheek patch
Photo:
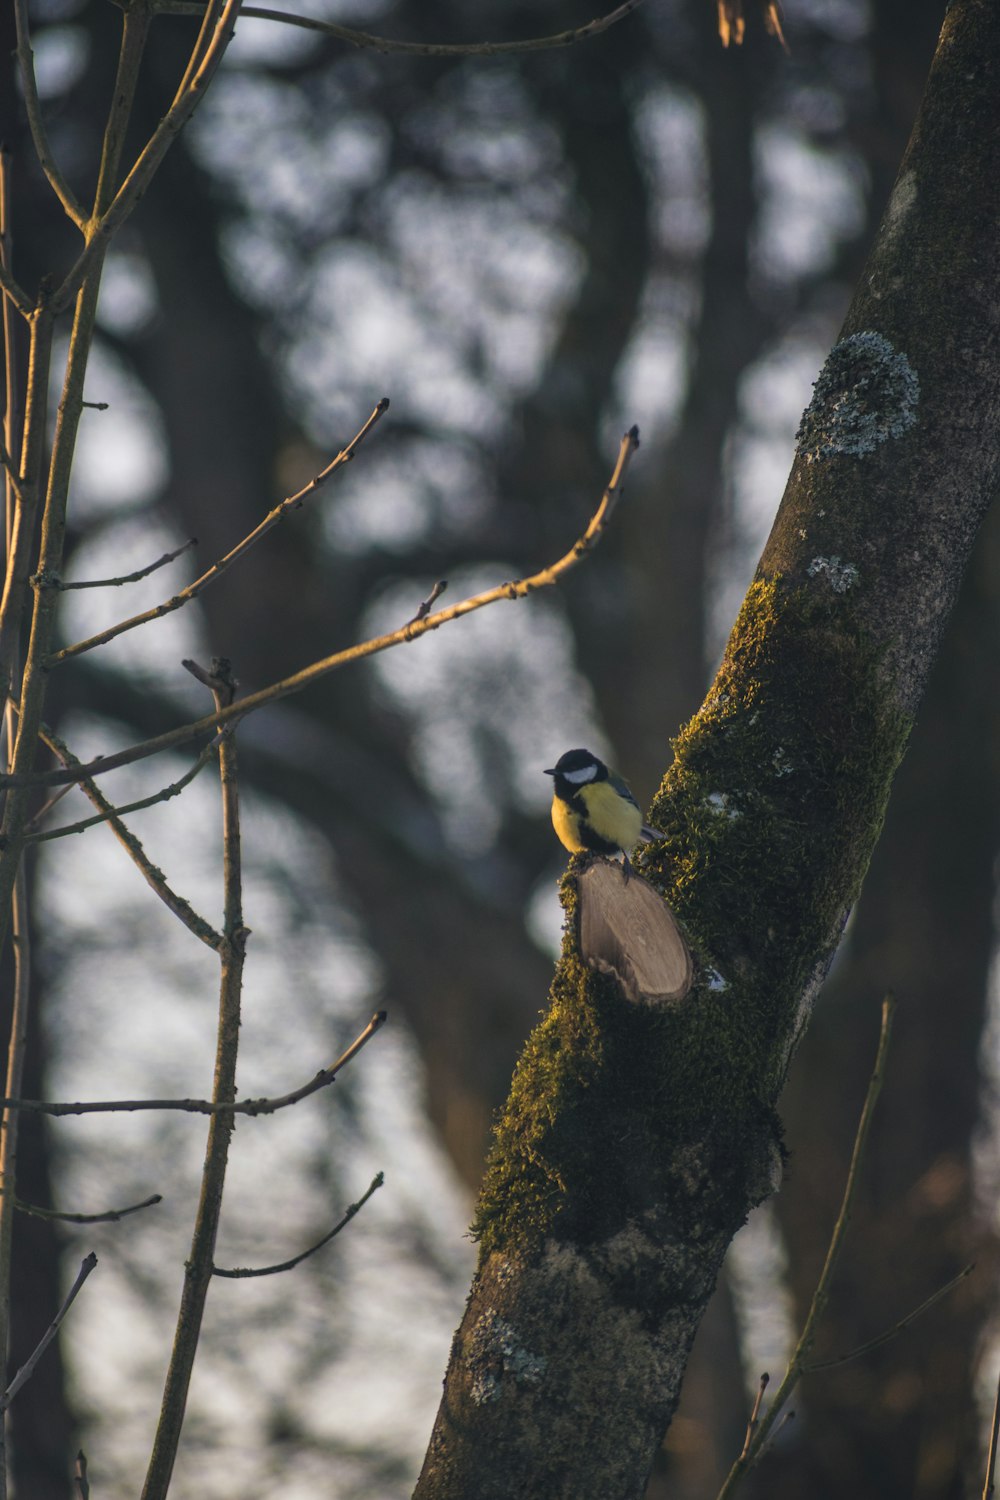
(579, 777)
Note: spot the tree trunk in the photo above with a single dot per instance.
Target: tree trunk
(635, 1140)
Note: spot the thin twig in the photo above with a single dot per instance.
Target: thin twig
(112, 815)
(33, 109)
(47, 807)
(896, 1328)
(755, 1414)
(251, 1107)
(192, 591)
(519, 589)
(109, 1216)
(241, 1272)
(80, 1476)
(26, 1371)
(7, 462)
(109, 583)
(424, 608)
(15, 293)
(369, 41)
(752, 1451)
(106, 813)
(991, 1462)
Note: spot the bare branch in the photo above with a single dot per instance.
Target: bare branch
(896, 1328)
(10, 469)
(991, 1462)
(216, 35)
(106, 813)
(29, 86)
(109, 1216)
(370, 42)
(26, 1371)
(112, 815)
(108, 583)
(241, 1272)
(519, 589)
(293, 502)
(207, 1106)
(198, 1266)
(15, 293)
(755, 1414)
(752, 1450)
(425, 605)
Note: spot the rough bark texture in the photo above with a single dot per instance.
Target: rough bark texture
(633, 1145)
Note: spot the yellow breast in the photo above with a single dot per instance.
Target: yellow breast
(608, 821)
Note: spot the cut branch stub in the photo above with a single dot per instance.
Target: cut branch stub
(627, 930)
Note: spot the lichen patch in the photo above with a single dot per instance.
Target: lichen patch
(867, 393)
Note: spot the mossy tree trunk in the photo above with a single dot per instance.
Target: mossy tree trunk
(636, 1139)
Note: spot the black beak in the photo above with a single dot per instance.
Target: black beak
(552, 772)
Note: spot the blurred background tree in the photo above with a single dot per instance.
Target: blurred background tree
(527, 254)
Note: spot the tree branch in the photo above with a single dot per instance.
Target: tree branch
(108, 583)
(205, 59)
(368, 41)
(106, 813)
(108, 1216)
(797, 1363)
(43, 151)
(250, 1107)
(412, 631)
(242, 1272)
(293, 502)
(26, 1371)
(198, 1267)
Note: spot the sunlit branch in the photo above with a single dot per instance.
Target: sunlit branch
(15, 293)
(109, 583)
(293, 502)
(207, 1106)
(109, 1216)
(26, 1371)
(29, 86)
(239, 1273)
(138, 179)
(370, 42)
(519, 589)
(10, 468)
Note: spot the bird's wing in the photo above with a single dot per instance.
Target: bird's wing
(622, 788)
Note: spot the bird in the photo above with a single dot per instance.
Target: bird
(594, 809)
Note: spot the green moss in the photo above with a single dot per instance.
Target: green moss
(769, 814)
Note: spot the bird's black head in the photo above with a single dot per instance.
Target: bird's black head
(578, 767)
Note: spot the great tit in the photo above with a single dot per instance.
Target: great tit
(592, 808)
